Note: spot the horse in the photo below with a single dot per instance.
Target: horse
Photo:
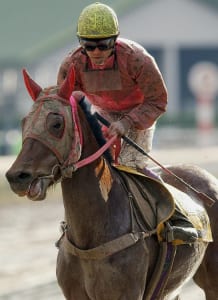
(105, 252)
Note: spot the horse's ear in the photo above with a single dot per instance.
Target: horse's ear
(67, 86)
(32, 87)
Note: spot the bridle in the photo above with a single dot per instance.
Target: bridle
(71, 161)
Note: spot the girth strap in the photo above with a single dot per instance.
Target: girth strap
(106, 249)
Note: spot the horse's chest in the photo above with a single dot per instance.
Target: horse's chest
(122, 274)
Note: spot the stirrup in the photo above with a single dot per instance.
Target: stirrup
(187, 235)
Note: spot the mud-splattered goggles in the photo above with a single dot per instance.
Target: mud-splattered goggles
(102, 44)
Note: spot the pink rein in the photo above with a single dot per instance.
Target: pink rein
(97, 154)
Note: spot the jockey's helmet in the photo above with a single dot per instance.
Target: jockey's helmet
(97, 21)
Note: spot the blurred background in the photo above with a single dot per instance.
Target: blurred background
(182, 35)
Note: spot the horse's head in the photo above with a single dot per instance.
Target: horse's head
(51, 139)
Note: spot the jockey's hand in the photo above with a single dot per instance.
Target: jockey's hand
(78, 95)
(119, 128)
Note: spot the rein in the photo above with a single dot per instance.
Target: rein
(67, 170)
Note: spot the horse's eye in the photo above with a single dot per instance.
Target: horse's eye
(55, 125)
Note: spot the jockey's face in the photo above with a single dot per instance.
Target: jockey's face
(99, 57)
(98, 50)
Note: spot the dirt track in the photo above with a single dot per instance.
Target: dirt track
(28, 232)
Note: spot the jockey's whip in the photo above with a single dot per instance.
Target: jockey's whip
(209, 201)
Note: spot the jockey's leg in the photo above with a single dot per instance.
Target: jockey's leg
(131, 157)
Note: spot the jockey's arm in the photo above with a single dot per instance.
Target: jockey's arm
(151, 83)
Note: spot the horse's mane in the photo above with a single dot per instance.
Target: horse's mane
(95, 126)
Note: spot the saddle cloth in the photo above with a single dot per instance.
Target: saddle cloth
(156, 202)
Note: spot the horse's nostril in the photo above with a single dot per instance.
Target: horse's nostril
(23, 175)
(15, 177)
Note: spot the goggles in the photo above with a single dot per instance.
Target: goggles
(102, 44)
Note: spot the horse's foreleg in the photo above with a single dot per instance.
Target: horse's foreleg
(69, 277)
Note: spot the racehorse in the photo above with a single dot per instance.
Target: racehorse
(105, 252)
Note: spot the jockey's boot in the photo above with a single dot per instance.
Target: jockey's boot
(180, 228)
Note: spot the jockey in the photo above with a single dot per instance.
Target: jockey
(120, 79)
(124, 85)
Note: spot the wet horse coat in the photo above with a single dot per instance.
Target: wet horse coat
(97, 206)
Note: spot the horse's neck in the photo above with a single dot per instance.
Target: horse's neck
(85, 197)
(95, 204)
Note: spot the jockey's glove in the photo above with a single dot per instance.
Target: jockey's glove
(120, 127)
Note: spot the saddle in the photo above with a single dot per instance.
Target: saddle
(156, 202)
